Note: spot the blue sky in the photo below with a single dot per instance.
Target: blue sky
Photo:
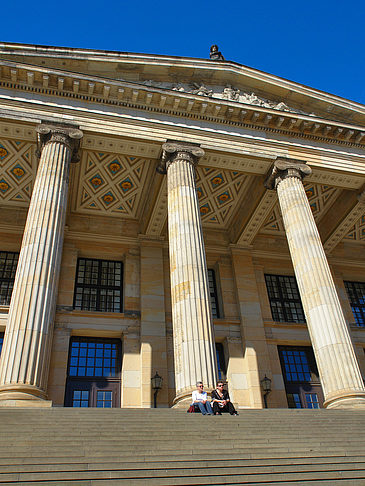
(316, 43)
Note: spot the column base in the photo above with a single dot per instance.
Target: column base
(182, 402)
(183, 399)
(347, 400)
(19, 395)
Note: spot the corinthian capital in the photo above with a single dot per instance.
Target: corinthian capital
(174, 151)
(69, 136)
(283, 168)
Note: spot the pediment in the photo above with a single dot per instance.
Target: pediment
(220, 81)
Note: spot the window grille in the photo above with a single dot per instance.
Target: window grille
(98, 285)
(213, 294)
(94, 358)
(8, 264)
(284, 298)
(356, 294)
(296, 366)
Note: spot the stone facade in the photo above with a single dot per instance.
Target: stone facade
(211, 186)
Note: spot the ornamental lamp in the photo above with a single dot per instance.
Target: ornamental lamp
(266, 386)
(156, 386)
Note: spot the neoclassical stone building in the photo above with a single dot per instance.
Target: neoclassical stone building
(193, 217)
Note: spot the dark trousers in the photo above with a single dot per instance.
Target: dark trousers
(228, 408)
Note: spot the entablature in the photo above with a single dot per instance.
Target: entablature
(247, 111)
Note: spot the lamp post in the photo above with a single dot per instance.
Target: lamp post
(156, 385)
(266, 386)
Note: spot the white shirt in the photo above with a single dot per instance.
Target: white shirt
(198, 396)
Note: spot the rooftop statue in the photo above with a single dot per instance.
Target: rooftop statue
(215, 54)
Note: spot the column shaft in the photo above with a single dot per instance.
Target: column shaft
(338, 368)
(194, 346)
(25, 357)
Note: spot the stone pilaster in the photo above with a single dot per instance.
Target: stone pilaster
(153, 327)
(256, 362)
(58, 366)
(194, 347)
(338, 368)
(25, 357)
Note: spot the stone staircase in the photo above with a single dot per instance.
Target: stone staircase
(64, 446)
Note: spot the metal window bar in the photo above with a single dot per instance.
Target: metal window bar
(213, 294)
(98, 285)
(8, 265)
(298, 364)
(356, 295)
(89, 357)
(221, 362)
(284, 298)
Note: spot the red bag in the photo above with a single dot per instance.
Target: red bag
(191, 409)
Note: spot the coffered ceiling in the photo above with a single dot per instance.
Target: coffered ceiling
(124, 187)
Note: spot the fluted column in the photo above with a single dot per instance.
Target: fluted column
(25, 357)
(194, 346)
(337, 365)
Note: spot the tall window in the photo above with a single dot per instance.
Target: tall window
(221, 361)
(284, 298)
(356, 294)
(213, 293)
(8, 264)
(1, 341)
(98, 285)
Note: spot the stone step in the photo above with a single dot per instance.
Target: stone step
(227, 432)
(272, 457)
(321, 462)
(85, 416)
(159, 447)
(124, 444)
(172, 472)
(189, 477)
(166, 453)
(162, 414)
(100, 431)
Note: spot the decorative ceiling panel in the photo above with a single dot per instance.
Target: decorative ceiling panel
(357, 232)
(219, 192)
(111, 184)
(18, 166)
(320, 197)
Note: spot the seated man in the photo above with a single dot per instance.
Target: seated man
(200, 399)
(221, 401)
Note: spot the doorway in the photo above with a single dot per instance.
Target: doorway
(93, 373)
(302, 384)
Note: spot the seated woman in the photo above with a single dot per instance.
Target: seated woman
(200, 399)
(221, 401)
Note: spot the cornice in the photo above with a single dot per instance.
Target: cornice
(262, 254)
(12, 229)
(53, 82)
(176, 62)
(346, 263)
(119, 239)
